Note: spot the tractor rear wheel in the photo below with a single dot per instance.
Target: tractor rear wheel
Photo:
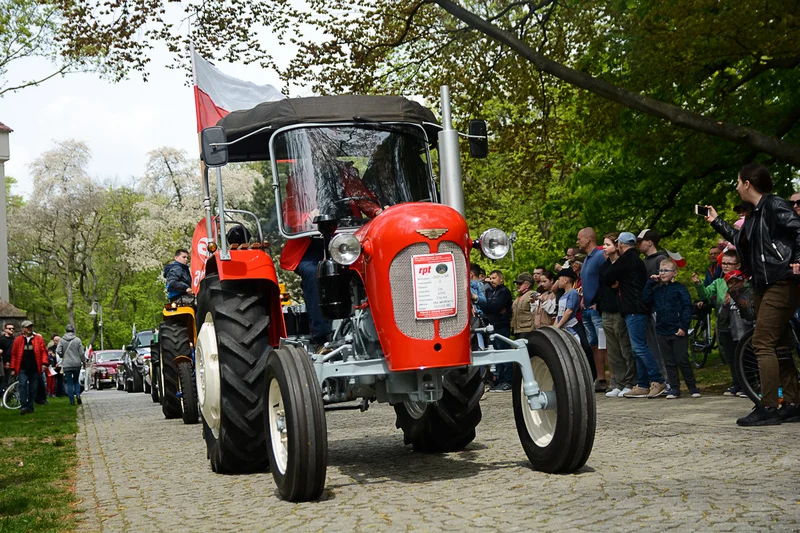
(297, 433)
(231, 355)
(174, 341)
(188, 393)
(449, 424)
(560, 438)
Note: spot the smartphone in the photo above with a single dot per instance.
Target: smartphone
(701, 210)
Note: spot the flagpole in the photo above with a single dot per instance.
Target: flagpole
(203, 168)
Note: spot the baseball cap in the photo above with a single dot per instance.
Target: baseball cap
(523, 278)
(567, 273)
(734, 274)
(648, 235)
(626, 237)
(26, 323)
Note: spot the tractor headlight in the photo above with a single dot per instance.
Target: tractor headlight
(494, 243)
(345, 248)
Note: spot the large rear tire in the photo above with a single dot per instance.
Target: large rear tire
(297, 433)
(449, 424)
(232, 323)
(174, 341)
(188, 390)
(559, 439)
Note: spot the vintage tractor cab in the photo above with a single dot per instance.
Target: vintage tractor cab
(355, 173)
(177, 390)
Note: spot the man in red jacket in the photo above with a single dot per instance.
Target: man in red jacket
(28, 359)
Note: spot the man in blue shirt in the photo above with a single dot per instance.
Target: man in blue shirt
(592, 321)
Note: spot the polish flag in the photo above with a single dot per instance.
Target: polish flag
(216, 94)
(678, 258)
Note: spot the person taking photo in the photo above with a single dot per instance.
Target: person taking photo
(769, 248)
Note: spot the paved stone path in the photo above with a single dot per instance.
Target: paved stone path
(692, 470)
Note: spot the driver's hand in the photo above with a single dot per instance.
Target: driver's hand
(189, 290)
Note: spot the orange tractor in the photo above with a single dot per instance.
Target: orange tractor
(395, 284)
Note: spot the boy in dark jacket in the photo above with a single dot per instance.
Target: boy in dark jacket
(673, 307)
(179, 279)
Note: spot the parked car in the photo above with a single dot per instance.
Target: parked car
(136, 362)
(104, 365)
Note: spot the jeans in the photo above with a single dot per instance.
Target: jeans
(73, 386)
(593, 323)
(28, 385)
(675, 351)
(505, 371)
(579, 332)
(307, 270)
(646, 366)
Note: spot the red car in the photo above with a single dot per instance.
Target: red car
(104, 367)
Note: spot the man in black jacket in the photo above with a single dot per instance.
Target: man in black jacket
(629, 272)
(497, 312)
(179, 280)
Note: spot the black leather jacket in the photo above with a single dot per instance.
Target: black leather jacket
(768, 242)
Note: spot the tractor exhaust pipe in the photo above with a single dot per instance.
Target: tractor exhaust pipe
(450, 159)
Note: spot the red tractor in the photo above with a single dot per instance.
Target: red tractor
(395, 283)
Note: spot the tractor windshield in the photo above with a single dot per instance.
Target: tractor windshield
(349, 172)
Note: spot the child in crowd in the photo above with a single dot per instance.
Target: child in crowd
(717, 292)
(673, 307)
(569, 303)
(545, 307)
(738, 307)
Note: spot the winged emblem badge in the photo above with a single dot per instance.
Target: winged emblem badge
(432, 233)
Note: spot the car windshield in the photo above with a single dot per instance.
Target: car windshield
(144, 338)
(106, 357)
(348, 172)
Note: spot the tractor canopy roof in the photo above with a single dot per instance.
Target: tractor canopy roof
(318, 110)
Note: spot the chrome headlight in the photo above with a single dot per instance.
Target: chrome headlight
(345, 248)
(494, 243)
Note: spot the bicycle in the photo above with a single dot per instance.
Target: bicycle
(11, 396)
(746, 363)
(702, 336)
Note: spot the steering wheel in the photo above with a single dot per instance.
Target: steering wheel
(354, 199)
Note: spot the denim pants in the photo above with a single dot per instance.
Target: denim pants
(593, 324)
(647, 369)
(28, 384)
(505, 371)
(307, 270)
(73, 386)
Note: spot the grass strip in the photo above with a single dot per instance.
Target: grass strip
(37, 468)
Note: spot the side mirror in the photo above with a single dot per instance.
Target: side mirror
(479, 147)
(214, 156)
(129, 348)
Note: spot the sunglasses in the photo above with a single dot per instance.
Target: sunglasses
(665, 270)
(795, 203)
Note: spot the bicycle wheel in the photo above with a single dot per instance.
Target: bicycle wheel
(746, 365)
(699, 345)
(11, 397)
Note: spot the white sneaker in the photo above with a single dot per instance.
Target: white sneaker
(623, 392)
(613, 393)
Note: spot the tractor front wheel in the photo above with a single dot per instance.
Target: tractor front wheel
(174, 339)
(449, 424)
(297, 433)
(559, 438)
(188, 393)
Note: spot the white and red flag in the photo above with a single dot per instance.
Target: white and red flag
(216, 94)
(678, 258)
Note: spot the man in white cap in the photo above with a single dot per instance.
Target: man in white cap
(629, 272)
(28, 360)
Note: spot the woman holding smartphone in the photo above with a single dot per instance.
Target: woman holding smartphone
(769, 248)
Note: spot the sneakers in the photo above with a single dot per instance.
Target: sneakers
(623, 392)
(502, 387)
(637, 392)
(732, 391)
(656, 389)
(790, 412)
(613, 393)
(600, 386)
(672, 394)
(695, 392)
(761, 416)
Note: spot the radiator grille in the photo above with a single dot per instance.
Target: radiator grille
(452, 326)
(400, 278)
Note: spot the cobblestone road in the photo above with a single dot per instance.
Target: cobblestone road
(693, 470)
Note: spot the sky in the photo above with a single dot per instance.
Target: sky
(119, 122)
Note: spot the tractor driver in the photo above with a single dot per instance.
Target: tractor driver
(302, 255)
(179, 279)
